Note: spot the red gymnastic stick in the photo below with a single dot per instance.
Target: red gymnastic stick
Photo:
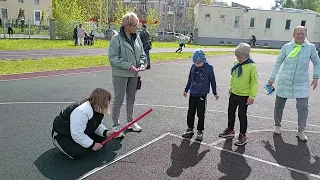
(126, 127)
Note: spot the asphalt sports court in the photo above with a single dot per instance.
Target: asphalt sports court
(28, 107)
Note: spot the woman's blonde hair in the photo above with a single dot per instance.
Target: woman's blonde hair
(100, 100)
(128, 19)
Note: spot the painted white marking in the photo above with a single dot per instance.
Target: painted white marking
(156, 105)
(123, 156)
(257, 131)
(256, 159)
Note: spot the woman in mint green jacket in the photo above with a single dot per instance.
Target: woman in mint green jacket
(294, 78)
(127, 58)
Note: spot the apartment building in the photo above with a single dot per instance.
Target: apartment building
(224, 25)
(174, 14)
(32, 9)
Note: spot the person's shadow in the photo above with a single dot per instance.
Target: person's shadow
(294, 156)
(232, 165)
(53, 164)
(184, 156)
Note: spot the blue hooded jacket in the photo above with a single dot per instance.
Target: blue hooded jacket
(200, 79)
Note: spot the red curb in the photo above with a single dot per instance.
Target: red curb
(52, 73)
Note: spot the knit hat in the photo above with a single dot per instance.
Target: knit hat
(199, 56)
(243, 50)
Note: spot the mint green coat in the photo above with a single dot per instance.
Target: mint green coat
(294, 78)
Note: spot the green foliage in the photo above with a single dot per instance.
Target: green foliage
(122, 9)
(297, 4)
(65, 13)
(151, 19)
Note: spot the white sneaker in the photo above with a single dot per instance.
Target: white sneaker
(135, 127)
(277, 130)
(301, 136)
(117, 128)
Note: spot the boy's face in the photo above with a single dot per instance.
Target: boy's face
(241, 59)
(198, 64)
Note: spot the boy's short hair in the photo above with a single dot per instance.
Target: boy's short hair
(243, 50)
(199, 56)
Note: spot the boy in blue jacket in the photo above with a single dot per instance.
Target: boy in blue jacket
(200, 77)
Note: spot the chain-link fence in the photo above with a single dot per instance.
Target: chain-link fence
(16, 28)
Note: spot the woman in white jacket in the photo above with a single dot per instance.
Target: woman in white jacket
(79, 128)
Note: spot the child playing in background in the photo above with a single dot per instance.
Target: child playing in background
(200, 77)
(181, 44)
(244, 89)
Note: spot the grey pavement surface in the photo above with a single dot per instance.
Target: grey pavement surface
(29, 106)
(36, 54)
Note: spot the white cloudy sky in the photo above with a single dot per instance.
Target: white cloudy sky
(264, 4)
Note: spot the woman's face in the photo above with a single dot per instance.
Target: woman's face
(133, 27)
(299, 36)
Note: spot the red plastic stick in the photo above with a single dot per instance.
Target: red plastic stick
(126, 127)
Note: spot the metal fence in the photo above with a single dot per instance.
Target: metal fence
(15, 28)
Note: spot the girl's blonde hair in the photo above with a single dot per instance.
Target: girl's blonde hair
(100, 100)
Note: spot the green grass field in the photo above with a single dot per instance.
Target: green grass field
(51, 64)
(36, 44)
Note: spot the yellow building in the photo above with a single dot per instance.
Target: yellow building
(30, 10)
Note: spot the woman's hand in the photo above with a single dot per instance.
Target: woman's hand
(133, 69)
(314, 84)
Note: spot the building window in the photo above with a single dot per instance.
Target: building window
(20, 1)
(303, 23)
(168, 26)
(268, 23)
(36, 2)
(164, 8)
(288, 22)
(4, 13)
(206, 15)
(37, 17)
(144, 7)
(237, 22)
(222, 16)
(252, 22)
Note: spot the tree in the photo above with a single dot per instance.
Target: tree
(297, 4)
(122, 9)
(153, 21)
(65, 13)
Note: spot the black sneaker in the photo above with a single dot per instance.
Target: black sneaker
(188, 134)
(199, 136)
(242, 140)
(227, 134)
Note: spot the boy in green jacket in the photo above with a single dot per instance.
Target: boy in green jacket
(244, 89)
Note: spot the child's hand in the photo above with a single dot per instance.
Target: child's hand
(185, 94)
(250, 101)
(230, 91)
(217, 97)
(97, 146)
(109, 133)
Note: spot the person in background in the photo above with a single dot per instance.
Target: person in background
(145, 38)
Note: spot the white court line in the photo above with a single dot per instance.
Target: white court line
(123, 156)
(156, 105)
(254, 158)
(257, 131)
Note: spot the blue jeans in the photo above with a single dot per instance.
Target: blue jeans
(148, 56)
